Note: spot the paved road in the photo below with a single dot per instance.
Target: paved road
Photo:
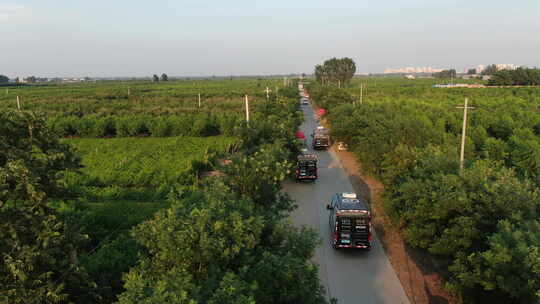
(352, 277)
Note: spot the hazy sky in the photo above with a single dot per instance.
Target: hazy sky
(239, 37)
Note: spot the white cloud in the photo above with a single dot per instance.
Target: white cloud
(11, 11)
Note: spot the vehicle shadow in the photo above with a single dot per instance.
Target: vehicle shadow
(353, 253)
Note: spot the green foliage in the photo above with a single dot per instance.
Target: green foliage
(259, 176)
(481, 225)
(144, 125)
(224, 241)
(206, 247)
(4, 79)
(110, 98)
(334, 70)
(513, 249)
(445, 74)
(202, 248)
(141, 168)
(518, 77)
(331, 97)
(171, 108)
(490, 69)
(32, 158)
(39, 251)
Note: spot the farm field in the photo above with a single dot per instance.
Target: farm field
(141, 168)
(130, 97)
(123, 172)
(478, 224)
(172, 108)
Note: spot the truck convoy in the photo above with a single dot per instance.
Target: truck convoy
(306, 166)
(321, 138)
(350, 221)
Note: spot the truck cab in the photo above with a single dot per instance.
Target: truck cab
(350, 221)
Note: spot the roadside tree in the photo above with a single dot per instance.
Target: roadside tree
(39, 252)
(338, 71)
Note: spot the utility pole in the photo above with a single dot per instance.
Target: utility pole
(361, 93)
(267, 96)
(18, 103)
(128, 91)
(199, 100)
(247, 109)
(339, 83)
(463, 132)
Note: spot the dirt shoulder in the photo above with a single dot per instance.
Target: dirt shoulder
(418, 278)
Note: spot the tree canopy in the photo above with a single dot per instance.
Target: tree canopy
(490, 69)
(4, 79)
(445, 74)
(334, 70)
(520, 76)
(479, 224)
(222, 244)
(39, 251)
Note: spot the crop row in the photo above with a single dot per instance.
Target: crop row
(144, 125)
(135, 97)
(140, 168)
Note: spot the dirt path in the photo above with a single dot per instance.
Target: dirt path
(416, 274)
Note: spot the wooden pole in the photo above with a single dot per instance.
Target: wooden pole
(199, 100)
(247, 109)
(361, 93)
(18, 103)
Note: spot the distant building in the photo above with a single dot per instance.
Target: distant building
(410, 76)
(506, 66)
(500, 66)
(459, 85)
(412, 70)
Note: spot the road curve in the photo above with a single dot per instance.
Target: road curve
(352, 277)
